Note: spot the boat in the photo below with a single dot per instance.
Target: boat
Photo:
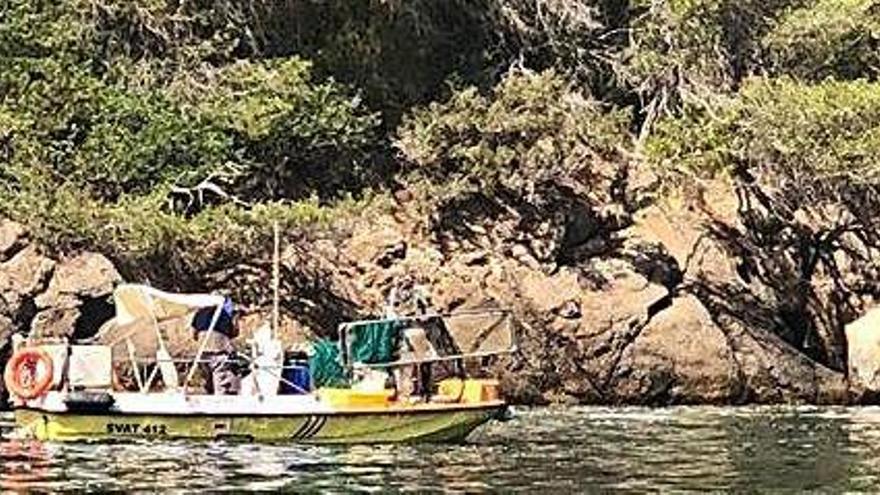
(387, 385)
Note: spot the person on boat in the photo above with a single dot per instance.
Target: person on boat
(218, 362)
(425, 338)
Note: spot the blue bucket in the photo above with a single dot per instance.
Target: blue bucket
(296, 372)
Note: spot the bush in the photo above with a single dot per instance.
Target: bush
(780, 127)
(691, 50)
(295, 136)
(285, 135)
(532, 128)
(833, 38)
(125, 127)
(148, 240)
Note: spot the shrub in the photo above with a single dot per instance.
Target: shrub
(112, 111)
(147, 239)
(782, 127)
(295, 136)
(286, 135)
(683, 51)
(832, 38)
(532, 128)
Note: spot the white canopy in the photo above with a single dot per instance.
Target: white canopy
(134, 302)
(142, 312)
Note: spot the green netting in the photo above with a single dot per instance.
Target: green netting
(325, 366)
(374, 342)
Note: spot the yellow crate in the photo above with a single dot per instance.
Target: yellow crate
(477, 391)
(348, 398)
(470, 391)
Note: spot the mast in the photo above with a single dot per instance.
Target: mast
(275, 280)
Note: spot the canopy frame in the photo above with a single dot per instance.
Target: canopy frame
(192, 302)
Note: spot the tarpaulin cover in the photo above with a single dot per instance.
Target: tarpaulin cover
(371, 342)
(375, 341)
(325, 365)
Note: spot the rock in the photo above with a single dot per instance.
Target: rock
(6, 330)
(863, 341)
(651, 260)
(570, 310)
(26, 273)
(403, 195)
(477, 229)
(86, 276)
(518, 251)
(55, 322)
(558, 398)
(682, 233)
(21, 279)
(477, 258)
(392, 253)
(680, 357)
(616, 295)
(610, 299)
(546, 293)
(76, 281)
(614, 217)
(575, 357)
(12, 236)
(371, 245)
(774, 372)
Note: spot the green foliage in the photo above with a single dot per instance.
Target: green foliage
(398, 52)
(295, 136)
(401, 53)
(691, 50)
(125, 126)
(531, 128)
(136, 142)
(142, 234)
(146, 126)
(780, 127)
(41, 28)
(831, 38)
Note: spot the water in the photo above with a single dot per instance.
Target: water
(559, 451)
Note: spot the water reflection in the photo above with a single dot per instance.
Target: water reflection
(570, 450)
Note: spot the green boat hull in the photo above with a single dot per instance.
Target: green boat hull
(380, 426)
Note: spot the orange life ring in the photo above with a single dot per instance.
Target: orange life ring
(24, 377)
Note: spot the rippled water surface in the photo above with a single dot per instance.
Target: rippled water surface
(564, 450)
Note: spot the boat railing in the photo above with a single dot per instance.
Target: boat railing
(502, 316)
(237, 358)
(473, 347)
(438, 359)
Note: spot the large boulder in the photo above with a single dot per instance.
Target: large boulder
(774, 372)
(12, 238)
(87, 275)
(21, 278)
(681, 356)
(863, 345)
(76, 283)
(683, 234)
(381, 245)
(577, 325)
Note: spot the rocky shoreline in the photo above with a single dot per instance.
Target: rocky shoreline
(653, 310)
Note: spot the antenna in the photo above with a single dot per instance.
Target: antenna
(275, 280)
